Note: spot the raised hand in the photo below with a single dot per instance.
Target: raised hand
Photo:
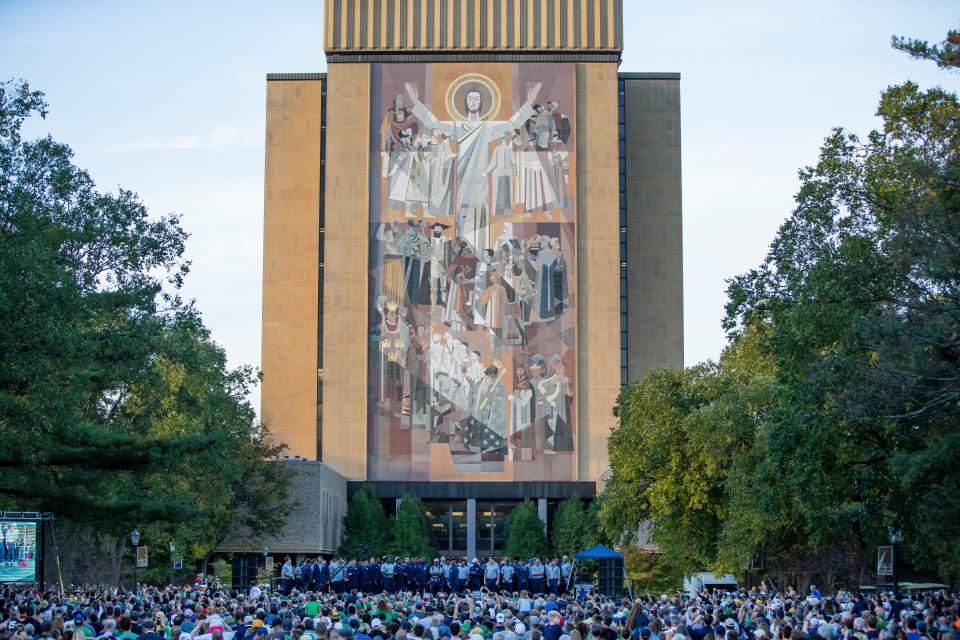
(412, 92)
(533, 92)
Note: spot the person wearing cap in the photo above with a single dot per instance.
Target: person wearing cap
(109, 626)
(149, 630)
(377, 631)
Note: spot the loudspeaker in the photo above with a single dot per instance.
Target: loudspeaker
(244, 571)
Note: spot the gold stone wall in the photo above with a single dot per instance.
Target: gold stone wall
(598, 279)
(291, 218)
(345, 266)
(291, 224)
(462, 31)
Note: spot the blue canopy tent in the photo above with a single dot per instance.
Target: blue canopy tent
(610, 571)
(599, 552)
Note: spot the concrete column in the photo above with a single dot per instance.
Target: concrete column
(471, 528)
(542, 512)
(396, 505)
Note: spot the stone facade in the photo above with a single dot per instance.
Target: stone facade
(317, 231)
(315, 524)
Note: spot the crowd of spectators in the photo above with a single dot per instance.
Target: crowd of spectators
(209, 612)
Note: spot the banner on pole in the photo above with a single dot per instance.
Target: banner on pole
(885, 561)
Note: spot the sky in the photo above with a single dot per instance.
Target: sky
(167, 98)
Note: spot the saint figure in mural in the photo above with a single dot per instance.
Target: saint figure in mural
(473, 137)
(502, 167)
(441, 174)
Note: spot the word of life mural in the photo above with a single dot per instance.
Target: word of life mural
(472, 273)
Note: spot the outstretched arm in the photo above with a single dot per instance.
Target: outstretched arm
(423, 114)
(522, 114)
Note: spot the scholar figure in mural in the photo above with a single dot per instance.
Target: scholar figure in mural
(473, 137)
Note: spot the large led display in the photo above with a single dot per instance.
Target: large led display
(18, 551)
(472, 354)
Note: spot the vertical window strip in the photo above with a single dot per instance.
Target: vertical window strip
(622, 167)
(321, 233)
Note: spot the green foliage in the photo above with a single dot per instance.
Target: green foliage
(525, 535)
(681, 434)
(364, 526)
(593, 533)
(652, 572)
(946, 54)
(572, 527)
(116, 407)
(222, 570)
(832, 413)
(409, 529)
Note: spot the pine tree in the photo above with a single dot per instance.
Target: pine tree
(570, 527)
(364, 525)
(409, 529)
(525, 534)
(117, 408)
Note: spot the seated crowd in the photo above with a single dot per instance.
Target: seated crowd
(209, 612)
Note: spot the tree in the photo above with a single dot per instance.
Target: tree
(525, 535)
(571, 527)
(681, 435)
(409, 529)
(946, 54)
(651, 572)
(861, 289)
(830, 417)
(364, 525)
(116, 407)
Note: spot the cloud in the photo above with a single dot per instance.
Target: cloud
(222, 138)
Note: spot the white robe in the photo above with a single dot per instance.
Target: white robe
(473, 138)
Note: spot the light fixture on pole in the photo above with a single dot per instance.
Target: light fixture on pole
(173, 551)
(895, 538)
(135, 539)
(265, 551)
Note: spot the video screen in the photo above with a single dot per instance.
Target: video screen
(18, 551)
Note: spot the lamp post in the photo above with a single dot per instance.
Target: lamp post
(135, 539)
(266, 551)
(895, 538)
(173, 550)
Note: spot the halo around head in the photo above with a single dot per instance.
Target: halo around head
(458, 88)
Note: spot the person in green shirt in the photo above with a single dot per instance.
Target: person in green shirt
(312, 608)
